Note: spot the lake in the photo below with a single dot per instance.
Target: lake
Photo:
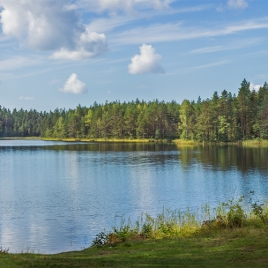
(57, 196)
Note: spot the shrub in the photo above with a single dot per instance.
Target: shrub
(100, 239)
(236, 214)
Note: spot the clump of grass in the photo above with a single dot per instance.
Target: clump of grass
(177, 224)
(233, 214)
(4, 250)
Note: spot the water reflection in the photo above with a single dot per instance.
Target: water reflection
(56, 196)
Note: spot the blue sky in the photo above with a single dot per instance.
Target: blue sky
(64, 53)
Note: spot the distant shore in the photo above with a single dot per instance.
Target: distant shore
(21, 138)
(254, 143)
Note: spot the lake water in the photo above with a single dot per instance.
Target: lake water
(57, 196)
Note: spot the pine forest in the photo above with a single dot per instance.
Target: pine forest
(224, 117)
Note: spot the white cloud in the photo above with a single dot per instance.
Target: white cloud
(220, 8)
(18, 62)
(233, 4)
(146, 62)
(207, 49)
(106, 24)
(174, 32)
(73, 85)
(237, 4)
(53, 82)
(50, 26)
(255, 87)
(26, 98)
(122, 5)
(89, 45)
(194, 68)
(237, 45)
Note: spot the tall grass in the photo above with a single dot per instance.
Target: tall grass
(177, 224)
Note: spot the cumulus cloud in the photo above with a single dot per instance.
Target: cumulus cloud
(146, 62)
(90, 44)
(255, 87)
(50, 26)
(123, 5)
(73, 85)
(237, 4)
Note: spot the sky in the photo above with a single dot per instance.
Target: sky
(59, 54)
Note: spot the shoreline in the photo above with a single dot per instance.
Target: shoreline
(178, 142)
(231, 238)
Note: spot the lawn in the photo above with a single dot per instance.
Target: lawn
(236, 247)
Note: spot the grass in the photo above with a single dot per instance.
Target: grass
(177, 224)
(178, 142)
(104, 140)
(254, 143)
(237, 247)
(229, 236)
(20, 138)
(185, 142)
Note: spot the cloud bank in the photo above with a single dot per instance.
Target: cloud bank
(73, 85)
(50, 26)
(146, 62)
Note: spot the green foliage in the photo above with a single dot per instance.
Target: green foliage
(242, 247)
(177, 224)
(236, 214)
(260, 211)
(100, 239)
(224, 117)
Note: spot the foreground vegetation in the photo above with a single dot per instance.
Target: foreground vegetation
(225, 117)
(230, 236)
(238, 247)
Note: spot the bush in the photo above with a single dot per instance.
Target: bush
(100, 239)
(236, 214)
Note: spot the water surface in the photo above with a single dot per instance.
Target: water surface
(57, 196)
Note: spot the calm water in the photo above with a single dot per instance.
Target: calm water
(57, 196)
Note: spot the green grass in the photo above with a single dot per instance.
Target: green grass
(104, 140)
(237, 247)
(185, 142)
(20, 138)
(231, 237)
(96, 140)
(178, 142)
(255, 143)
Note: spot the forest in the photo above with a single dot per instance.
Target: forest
(224, 117)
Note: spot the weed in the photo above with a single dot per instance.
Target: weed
(236, 214)
(177, 224)
(100, 239)
(4, 250)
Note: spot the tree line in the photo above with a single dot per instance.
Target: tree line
(223, 117)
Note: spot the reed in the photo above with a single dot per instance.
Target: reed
(177, 224)
(255, 143)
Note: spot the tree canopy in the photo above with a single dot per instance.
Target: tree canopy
(223, 117)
